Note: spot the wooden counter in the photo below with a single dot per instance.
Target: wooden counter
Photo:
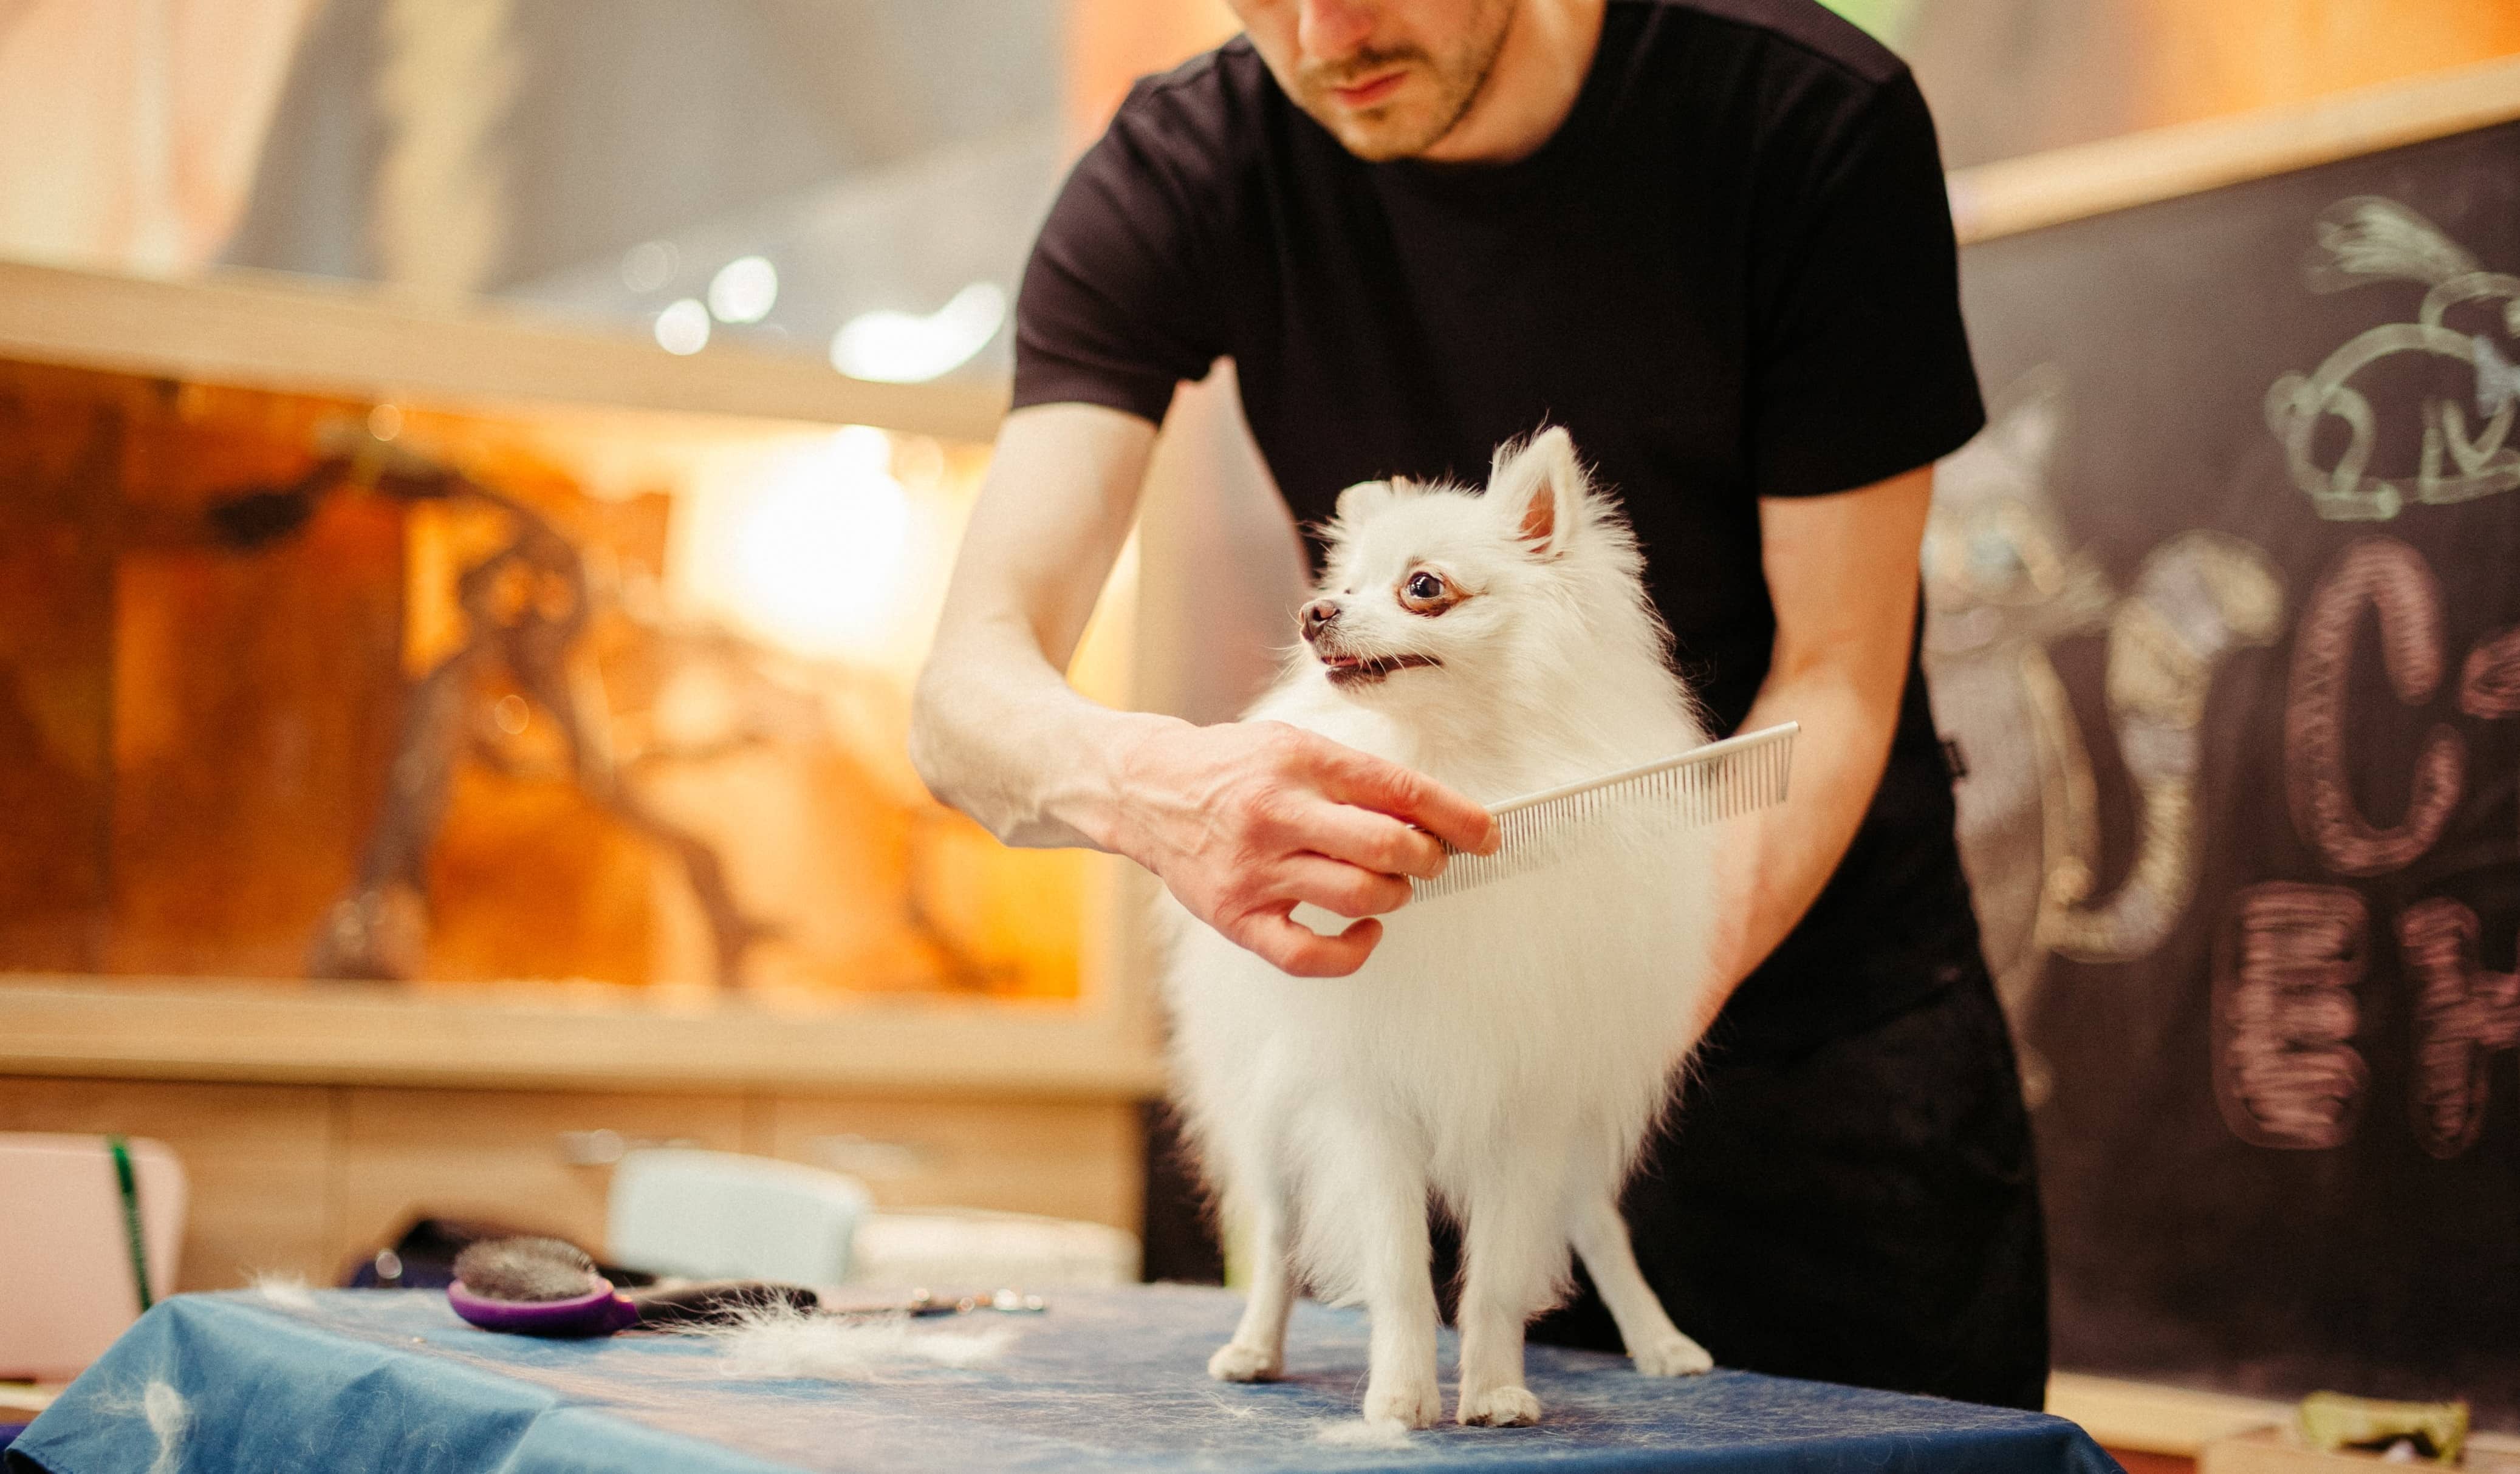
(564, 1037)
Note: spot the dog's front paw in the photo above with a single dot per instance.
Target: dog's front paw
(1674, 1356)
(1403, 1405)
(1500, 1407)
(1235, 1362)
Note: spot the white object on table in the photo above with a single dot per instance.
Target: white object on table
(67, 1288)
(722, 1215)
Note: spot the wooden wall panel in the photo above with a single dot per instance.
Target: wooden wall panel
(497, 1155)
(1064, 1158)
(304, 1178)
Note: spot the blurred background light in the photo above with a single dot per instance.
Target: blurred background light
(683, 327)
(899, 348)
(647, 265)
(808, 545)
(744, 291)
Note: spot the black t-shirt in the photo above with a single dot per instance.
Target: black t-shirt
(1729, 273)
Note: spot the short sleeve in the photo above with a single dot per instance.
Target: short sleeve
(1118, 304)
(1860, 363)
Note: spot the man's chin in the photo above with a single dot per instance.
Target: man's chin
(1378, 135)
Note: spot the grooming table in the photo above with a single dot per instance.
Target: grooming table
(355, 1380)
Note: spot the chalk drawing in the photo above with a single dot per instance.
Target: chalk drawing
(2463, 1017)
(2365, 239)
(2002, 587)
(2392, 579)
(2284, 972)
(2197, 597)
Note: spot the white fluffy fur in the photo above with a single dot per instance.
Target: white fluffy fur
(776, 1343)
(1504, 1049)
(285, 1288)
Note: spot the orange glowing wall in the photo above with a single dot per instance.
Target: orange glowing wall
(2213, 58)
(201, 722)
(2011, 78)
(1112, 43)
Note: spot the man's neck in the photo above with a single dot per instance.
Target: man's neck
(1540, 69)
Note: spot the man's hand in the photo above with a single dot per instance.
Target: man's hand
(1246, 820)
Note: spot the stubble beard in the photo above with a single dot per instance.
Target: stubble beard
(1377, 134)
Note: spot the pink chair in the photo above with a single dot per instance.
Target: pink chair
(69, 1283)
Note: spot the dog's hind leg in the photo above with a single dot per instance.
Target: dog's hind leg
(1657, 1346)
(1258, 1350)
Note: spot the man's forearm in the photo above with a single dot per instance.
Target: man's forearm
(1776, 863)
(1842, 576)
(995, 729)
(1000, 734)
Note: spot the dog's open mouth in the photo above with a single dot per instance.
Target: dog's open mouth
(1364, 670)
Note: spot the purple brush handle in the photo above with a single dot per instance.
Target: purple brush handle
(599, 1313)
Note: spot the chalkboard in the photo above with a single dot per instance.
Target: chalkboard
(2225, 627)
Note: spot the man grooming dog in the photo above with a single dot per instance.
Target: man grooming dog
(1709, 238)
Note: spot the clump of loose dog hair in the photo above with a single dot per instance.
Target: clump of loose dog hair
(285, 1288)
(778, 1343)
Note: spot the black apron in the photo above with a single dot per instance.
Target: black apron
(1864, 1211)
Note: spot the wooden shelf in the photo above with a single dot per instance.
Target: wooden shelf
(260, 330)
(2038, 190)
(545, 1036)
(2149, 1417)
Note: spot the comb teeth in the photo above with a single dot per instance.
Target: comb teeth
(1716, 781)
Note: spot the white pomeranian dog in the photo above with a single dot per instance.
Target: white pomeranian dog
(1505, 1048)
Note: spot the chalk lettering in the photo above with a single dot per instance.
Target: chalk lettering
(2284, 973)
(2464, 1017)
(2489, 683)
(2391, 577)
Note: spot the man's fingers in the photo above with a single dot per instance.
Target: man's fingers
(1336, 886)
(1367, 782)
(1363, 837)
(1298, 951)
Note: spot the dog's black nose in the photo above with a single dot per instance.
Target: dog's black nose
(1318, 617)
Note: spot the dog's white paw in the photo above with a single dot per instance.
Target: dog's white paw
(1500, 1407)
(1403, 1405)
(1235, 1362)
(1676, 1357)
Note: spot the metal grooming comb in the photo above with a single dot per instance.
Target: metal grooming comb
(1715, 782)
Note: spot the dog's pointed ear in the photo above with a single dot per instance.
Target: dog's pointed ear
(1540, 486)
(1365, 499)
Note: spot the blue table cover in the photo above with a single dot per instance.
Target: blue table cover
(355, 1380)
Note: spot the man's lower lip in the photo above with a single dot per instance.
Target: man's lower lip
(1370, 92)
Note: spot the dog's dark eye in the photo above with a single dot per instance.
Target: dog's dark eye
(1424, 592)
